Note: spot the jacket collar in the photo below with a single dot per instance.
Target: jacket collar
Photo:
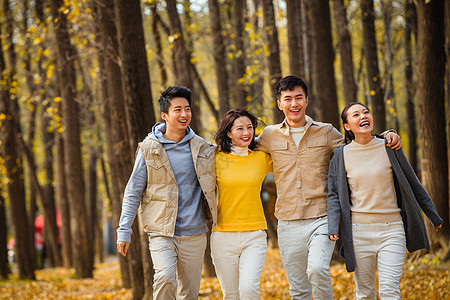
(284, 126)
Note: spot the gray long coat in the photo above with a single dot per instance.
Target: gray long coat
(410, 194)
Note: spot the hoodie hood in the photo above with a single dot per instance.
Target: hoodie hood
(158, 131)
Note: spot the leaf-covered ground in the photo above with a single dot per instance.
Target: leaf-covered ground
(427, 279)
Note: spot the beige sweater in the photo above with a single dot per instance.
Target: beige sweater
(371, 181)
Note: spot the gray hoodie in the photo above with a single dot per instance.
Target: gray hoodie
(191, 218)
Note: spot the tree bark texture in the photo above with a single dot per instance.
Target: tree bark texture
(273, 58)
(373, 73)
(159, 49)
(72, 150)
(118, 147)
(309, 66)
(219, 58)
(13, 164)
(182, 71)
(295, 38)
(135, 76)
(323, 57)
(239, 8)
(4, 267)
(431, 111)
(345, 50)
(410, 86)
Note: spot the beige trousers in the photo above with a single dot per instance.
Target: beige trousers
(177, 262)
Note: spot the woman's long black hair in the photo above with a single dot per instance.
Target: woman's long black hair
(349, 135)
(222, 138)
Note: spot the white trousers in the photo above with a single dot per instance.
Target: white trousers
(238, 257)
(381, 245)
(177, 262)
(306, 253)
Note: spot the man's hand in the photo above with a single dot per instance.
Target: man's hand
(334, 237)
(122, 247)
(393, 140)
(436, 228)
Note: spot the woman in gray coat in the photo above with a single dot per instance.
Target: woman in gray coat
(375, 194)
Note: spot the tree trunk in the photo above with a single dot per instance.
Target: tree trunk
(409, 86)
(72, 151)
(4, 267)
(373, 73)
(63, 201)
(181, 55)
(219, 58)
(389, 92)
(239, 54)
(308, 46)
(295, 38)
(345, 50)
(48, 140)
(9, 131)
(431, 105)
(257, 87)
(140, 113)
(273, 58)
(117, 141)
(323, 57)
(208, 267)
(159, 50)
(135, 76)
(92, 198)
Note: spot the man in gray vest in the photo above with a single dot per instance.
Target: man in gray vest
(173, 180)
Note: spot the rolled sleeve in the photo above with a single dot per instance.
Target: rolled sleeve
(132, 197)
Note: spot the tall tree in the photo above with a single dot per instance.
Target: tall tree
(159, 49)
(388, 59)
(219, 57)
(4, 267)
(181, 64)
(409, 84)
(295, 38)
(134, 66)
(72, 150)
(140, 115)
(309, 65)
(14, 172)
(323, 57)
(273, 57)
(431, 105)
(345, 51)
(239, 8)
(373, 73)
(117, 141)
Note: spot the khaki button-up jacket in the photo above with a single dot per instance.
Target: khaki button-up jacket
(301, 173)
(159, 204)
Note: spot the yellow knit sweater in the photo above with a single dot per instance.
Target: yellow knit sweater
(239, 180)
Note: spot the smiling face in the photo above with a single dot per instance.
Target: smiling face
(359, 120)
(179, 115)
(293, 104)
(241, 132)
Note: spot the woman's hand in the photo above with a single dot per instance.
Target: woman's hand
(393, 140)
(436, 228)
(122, 247)
(334, 237)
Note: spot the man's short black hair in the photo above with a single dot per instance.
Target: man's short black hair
(290, 83)
(173, 92)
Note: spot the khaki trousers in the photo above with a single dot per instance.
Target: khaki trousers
(177, 262)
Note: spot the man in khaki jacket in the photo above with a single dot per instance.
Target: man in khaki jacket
(173, 181)
(301, 150)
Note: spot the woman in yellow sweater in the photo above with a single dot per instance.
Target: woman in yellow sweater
(238, 241)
